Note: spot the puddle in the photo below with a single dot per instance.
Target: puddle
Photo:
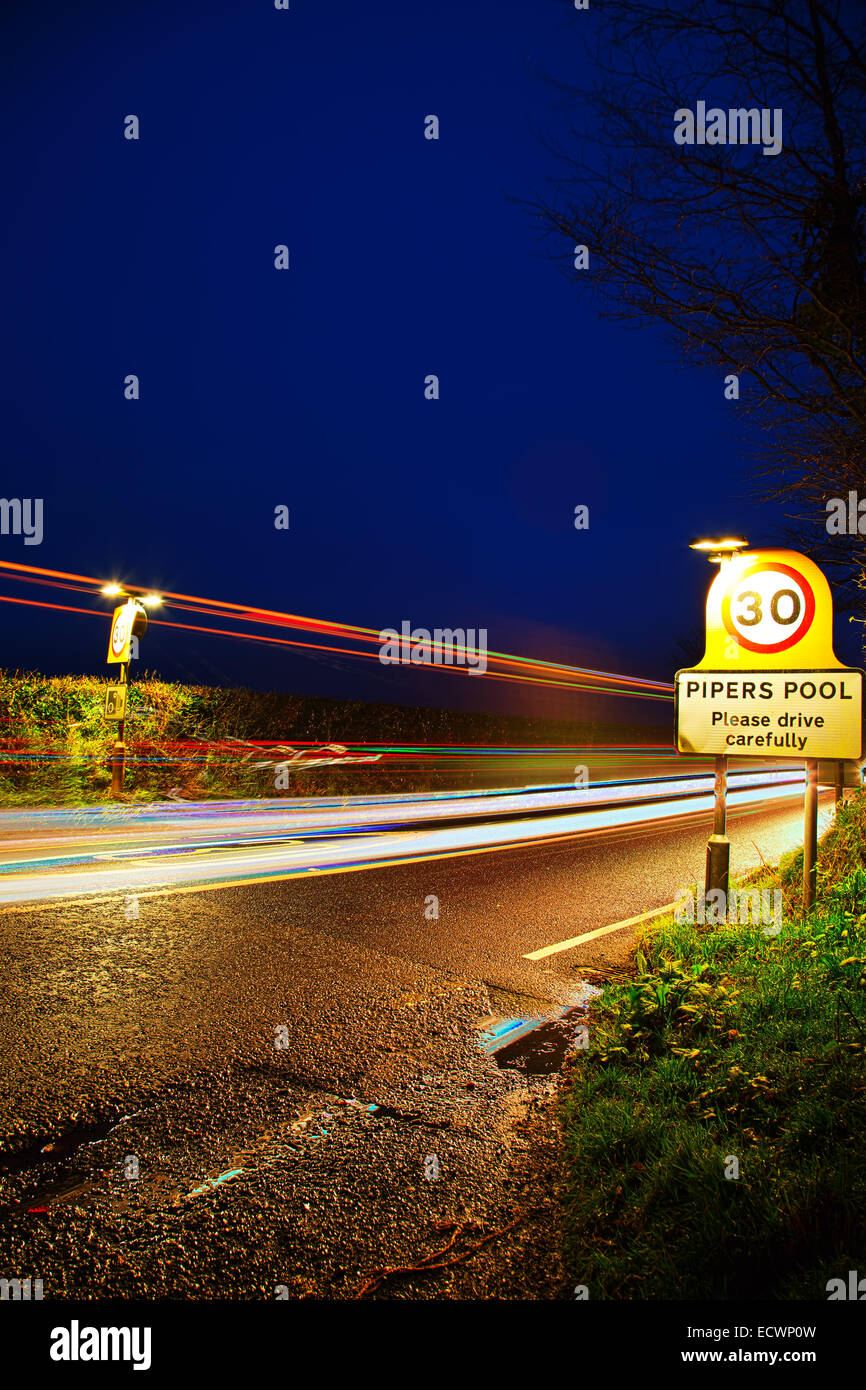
(529, 1041)
(47, 1150)
(53, 1186)
(48, 1159)
(535, 1046)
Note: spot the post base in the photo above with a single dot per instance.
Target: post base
(118, 768)
(718, 864)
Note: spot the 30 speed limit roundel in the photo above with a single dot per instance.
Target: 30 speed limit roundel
(769, 608)
(122, 626)
(120, 631)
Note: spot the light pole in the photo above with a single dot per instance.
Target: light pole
(719, 551)
(135, 626)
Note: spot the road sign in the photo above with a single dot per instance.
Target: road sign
(769, 610)
(769, 683)
(121, 633)
(115, 701)
(779, 714)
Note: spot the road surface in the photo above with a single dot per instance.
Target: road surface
(250, 1089)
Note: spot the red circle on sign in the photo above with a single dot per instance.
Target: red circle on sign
(119, 632)
(802, 627)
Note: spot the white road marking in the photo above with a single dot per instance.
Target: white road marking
(601, 931)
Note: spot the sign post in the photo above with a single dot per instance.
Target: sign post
(769, 684)
(810, 836)
(718, 845)
(118, 762)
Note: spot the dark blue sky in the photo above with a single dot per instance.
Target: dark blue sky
(260, 387)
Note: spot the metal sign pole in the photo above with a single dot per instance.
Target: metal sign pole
(118, 765)
(810, 836)
(718, 845)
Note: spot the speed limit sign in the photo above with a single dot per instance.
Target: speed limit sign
(769, 608)
(121, 631)
(769, 682)
(129, 621)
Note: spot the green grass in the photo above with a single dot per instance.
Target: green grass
(728, 1043)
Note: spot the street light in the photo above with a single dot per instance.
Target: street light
(112, 590)
(719, 550)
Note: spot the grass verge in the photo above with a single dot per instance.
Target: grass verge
(729, 1051)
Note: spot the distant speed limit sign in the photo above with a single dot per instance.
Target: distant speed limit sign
(121, 633)
(769, 608)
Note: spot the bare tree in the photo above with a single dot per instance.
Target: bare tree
(755, 262)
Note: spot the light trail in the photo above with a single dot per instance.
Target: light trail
(372, 834)
(511, 667)
(219, 752)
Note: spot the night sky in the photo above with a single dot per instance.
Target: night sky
(306, 387)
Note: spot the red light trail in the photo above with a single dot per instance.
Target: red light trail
(506, 666)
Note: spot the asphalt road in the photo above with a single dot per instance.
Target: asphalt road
(185, 1100)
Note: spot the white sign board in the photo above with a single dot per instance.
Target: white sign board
(782, 714)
